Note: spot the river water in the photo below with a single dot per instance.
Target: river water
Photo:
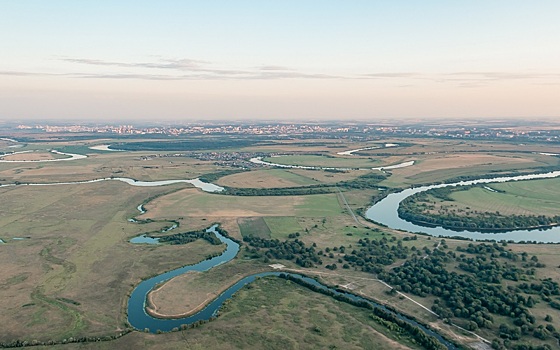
(260, 161)
(385, 212)
(205, 186)
(72, 156)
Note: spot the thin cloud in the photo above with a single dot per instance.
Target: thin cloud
(182, 64)
(197, 69)
(25, 74)
(392, 75)
(274, 68)
(503, 75)
(193, 69)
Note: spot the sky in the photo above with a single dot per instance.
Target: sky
(279, 59)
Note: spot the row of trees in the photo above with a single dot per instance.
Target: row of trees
(188, 237)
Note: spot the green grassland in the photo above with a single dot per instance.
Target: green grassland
(268, 178)
(324, 161)
(282, 226)
(254, 227)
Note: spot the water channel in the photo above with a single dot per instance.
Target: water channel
(205, 186)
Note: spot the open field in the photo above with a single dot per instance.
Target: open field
(281, 226)
(537, 197)
(327, 177)
(72, 273)
(254, 227)
(270, 178)
(434, 146)
(137, 165)
(440, 167)
(191, 202)
(32, 156)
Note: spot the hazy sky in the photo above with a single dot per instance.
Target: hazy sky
(300, 59)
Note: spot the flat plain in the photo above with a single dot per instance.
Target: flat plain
(68, 265)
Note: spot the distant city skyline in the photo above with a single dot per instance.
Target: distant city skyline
(287, 60)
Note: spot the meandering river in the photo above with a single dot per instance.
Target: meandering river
(385, 212)
(141, 320)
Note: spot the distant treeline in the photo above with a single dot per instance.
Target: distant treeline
(192, 144)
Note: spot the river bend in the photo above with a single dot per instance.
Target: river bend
(385, 212)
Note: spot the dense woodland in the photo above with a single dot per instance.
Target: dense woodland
(468, 283)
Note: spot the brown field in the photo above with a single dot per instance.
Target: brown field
(328, 177)
(188, 293)
(192, 202)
